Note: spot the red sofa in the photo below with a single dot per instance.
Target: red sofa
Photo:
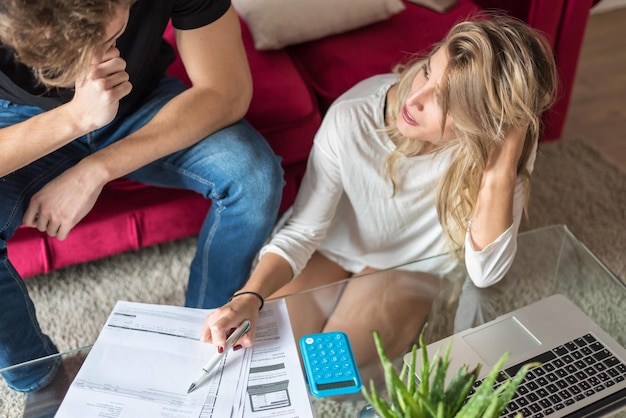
(292, 89)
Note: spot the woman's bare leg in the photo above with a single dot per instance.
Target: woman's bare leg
(309, 311)
(395, 303)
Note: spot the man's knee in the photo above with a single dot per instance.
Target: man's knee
(259, 170)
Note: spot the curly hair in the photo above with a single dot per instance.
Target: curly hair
(56, 38)
(501, 74)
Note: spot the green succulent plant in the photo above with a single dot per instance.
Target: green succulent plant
(431, 398)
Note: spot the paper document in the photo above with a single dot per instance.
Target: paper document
(147, 355)
(276, 386)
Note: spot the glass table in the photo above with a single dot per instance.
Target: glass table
(398, 302)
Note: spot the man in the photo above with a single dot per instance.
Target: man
(84, 100)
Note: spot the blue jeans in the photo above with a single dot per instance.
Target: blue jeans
(234, 167)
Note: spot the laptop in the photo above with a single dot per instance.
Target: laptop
(583, 371)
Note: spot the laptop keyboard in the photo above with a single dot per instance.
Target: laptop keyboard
(568, 373)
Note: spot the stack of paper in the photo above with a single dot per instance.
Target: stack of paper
(146, 356)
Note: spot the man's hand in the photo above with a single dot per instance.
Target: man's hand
(95, 103)
(63, 202)
(97, 96)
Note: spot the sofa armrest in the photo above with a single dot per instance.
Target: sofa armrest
(564, 23)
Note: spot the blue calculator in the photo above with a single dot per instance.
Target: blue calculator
(329, 364)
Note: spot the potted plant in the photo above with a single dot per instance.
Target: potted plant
(432, 398)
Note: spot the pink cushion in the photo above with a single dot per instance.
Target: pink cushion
(121, 221)
(28, 251)
(283, 109)
(328, 65)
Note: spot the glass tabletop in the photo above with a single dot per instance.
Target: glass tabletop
(399, 301)
(550, 260)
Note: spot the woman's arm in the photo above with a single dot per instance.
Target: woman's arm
(494, 207)
(491, 240)
(272, 272)
(292, 246)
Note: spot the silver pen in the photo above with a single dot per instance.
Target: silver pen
(230, 342)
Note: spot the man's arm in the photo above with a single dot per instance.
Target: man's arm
(95, 103)
(216, 63)
(215, 60)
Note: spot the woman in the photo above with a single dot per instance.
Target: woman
(435, 158)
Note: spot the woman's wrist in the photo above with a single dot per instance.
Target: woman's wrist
(256, 295)
(498, 179)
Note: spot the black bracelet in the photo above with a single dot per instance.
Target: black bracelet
(249, 293)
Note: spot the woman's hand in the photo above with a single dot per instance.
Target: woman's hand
(271, 273)
(505, 157)
(228, 317)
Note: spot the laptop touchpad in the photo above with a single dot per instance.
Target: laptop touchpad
(491, 342)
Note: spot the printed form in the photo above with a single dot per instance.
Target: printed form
(146, 356)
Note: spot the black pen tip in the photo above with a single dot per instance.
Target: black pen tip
(191, 388)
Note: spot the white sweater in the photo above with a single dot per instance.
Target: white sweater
(345, 208)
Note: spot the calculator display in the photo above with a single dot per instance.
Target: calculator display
(329, 364)
(334, 385)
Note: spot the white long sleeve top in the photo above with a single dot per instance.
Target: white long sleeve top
(345, 208)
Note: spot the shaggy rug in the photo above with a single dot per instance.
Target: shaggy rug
(572, 185)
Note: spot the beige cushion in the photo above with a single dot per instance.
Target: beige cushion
(440, 6)
(275, 24)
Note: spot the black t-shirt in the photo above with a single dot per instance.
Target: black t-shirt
(147, 55)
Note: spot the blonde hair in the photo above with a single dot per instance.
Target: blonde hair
(56, 38)
(500, 74)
